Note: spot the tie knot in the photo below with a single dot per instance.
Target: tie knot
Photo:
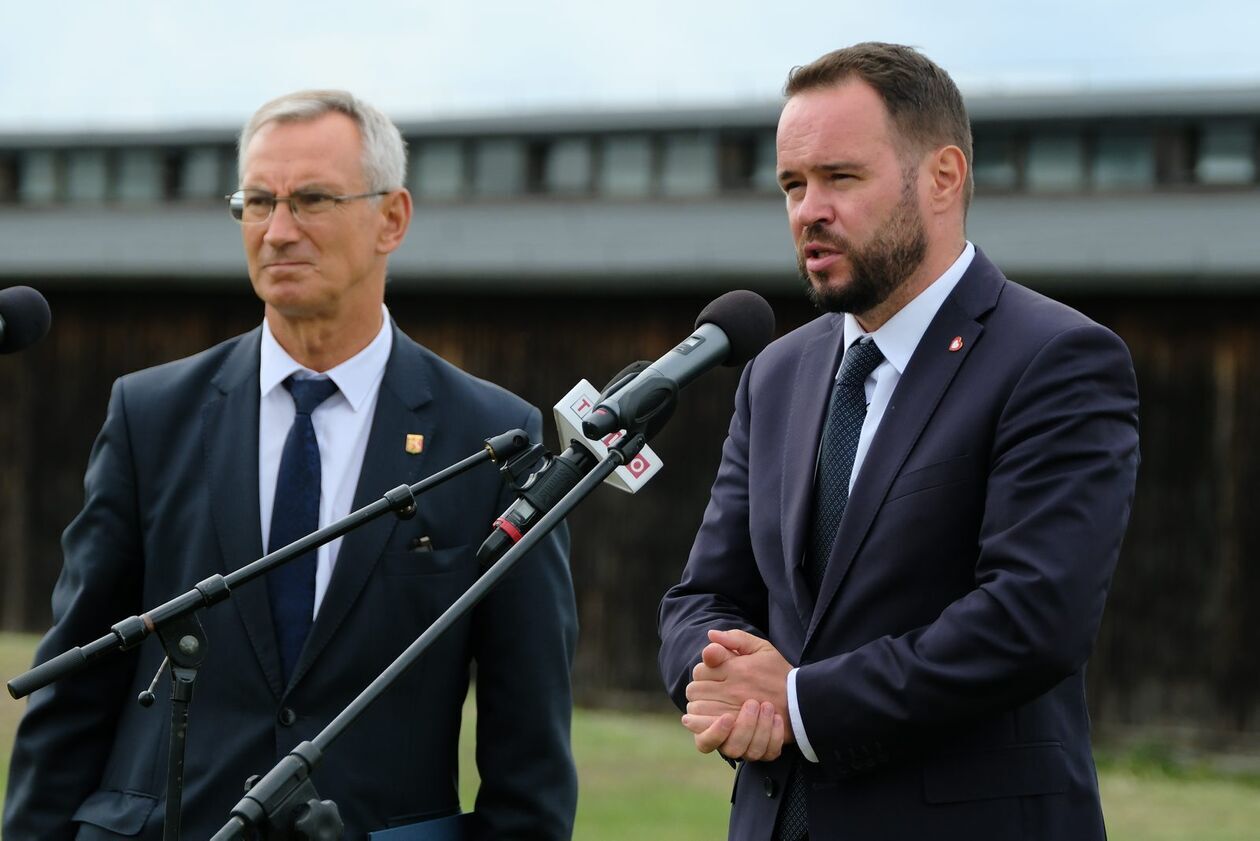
(861, 359)
(309, 393)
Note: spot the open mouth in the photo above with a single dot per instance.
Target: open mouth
(818, 256)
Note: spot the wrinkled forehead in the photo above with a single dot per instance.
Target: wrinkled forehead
(325, 150)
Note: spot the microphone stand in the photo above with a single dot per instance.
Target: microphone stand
(183, 638)
(283, 804)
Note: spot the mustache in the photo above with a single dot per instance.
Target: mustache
(819, 234)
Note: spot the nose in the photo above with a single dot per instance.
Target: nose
(813, 208)
(282, 227)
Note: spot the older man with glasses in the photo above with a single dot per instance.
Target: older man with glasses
(205, 464)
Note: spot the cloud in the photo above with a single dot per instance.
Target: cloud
(83, 63)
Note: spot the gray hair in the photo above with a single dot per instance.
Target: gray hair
(384, 150)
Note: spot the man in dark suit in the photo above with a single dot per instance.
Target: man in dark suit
(203, 462)
(888, 608)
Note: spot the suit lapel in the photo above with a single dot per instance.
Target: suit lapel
(402, 407)
(809, 397)
(230, 435)
(924, 383)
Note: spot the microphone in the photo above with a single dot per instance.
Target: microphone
(735, 326)
(731, 330)
(539, 494)
(24, 318)
(547, 485)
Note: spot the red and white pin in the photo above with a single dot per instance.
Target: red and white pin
(956, 344)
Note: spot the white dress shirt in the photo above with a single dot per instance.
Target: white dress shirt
(342, 424)
(897, 339)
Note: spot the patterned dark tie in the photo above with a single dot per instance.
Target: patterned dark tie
(831, 495)
(836, 455)
(295, 514)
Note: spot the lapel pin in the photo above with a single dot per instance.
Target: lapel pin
(415, 443)
(956, 344)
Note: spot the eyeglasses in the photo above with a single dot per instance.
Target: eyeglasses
(249, 207)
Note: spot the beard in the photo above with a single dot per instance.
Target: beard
(877, 267)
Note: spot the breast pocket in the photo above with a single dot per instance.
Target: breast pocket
(948, 472)
(410, 562)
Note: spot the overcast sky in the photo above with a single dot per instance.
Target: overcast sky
(77, 64)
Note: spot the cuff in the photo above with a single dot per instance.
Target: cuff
(798, 726)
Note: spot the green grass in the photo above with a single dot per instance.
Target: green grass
(638, 777)
(641, 778)
(16, 651)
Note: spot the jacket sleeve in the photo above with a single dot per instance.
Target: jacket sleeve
(1056, 503)
(525, 638)
(66, 734)
(720, 587)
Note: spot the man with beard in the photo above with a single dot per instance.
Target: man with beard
(888, 607)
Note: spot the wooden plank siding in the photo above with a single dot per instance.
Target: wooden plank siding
(1178, 642)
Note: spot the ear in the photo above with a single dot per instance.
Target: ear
(946, 178)
(395, 210)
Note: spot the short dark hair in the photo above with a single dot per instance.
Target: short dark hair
(923, 102)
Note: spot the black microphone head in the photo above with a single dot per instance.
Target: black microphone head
(26, 318)
(745, 318)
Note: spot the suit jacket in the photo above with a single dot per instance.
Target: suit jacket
(171, 497)
(941, 678)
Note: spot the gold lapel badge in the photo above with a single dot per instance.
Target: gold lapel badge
(415, 443)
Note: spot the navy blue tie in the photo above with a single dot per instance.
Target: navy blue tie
(831, 496)
(295, 514)
(837, 454)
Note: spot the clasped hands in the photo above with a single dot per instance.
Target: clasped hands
(737, 698)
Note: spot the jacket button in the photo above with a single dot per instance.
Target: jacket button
(287, 716)
(768, 784)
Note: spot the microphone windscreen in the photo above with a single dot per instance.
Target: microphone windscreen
(745, 318)
(26, 318)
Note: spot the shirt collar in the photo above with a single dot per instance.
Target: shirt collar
(355, 377)
(898, 337)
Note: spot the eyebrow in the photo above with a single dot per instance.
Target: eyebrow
(839, 166)
(305, 188)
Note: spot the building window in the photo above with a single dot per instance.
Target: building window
(1124, 160)
(205, 174)
(746, 161)
(737, 158)
(87, 176)
(625, 169)
(566, 166)
(38, 177)
(689, 164)
(8, 178)
(499, 167)
(995, 163)
(437, 169)
(141, 176)
(766, 168)
(1174, 156)
(1226, 154)
(1056, 163)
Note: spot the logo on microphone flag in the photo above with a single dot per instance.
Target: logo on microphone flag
(638, 466)
(570, 411)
